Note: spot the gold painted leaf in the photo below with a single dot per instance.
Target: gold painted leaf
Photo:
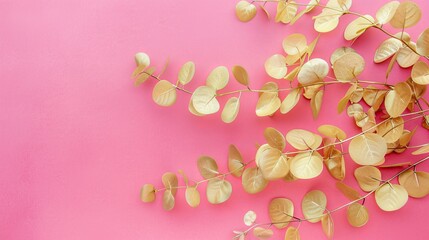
(348, 191)
(406, 57)
(249, 218)
(208, 167)
(316, 103)
(218, 191)
(311, 5)
(253, 181)
(348, 67)
(235, 161)
(275, 138)
(313, 71)
(303, 139)
(169, 180)
(313, 205)
(327, 20)
(286, 11)
(275, 66)
(368, 149)
(391, 197)
(290, 101)
(386, 12)
(142, 59)
(424, 149)
(218, 78)
(145, 74)
(416, 183)
(357, 215)
(420, 73)
(368, 177)
(334, 162)
(391, 130)
(292, 233)
(192, 196)
(186, 73)
(230, 111)
(339, 52)
(423, 43)
(148, 193)
(268, 103)
(164, 93)
(397, 100)
(306, 165)
(387, 49)
(332, 131)
(204, 100)
(295, 44)
(407, 15)
(272, 163)
(374, 97)
(192, 109)
(240, 74)
(358, 26)
(328, 225)
(281, 210)
(245, 11)
(262, 233)
(168, 200)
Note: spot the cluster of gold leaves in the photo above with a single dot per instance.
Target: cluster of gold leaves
(382, 120)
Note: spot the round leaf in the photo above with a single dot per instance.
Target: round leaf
(397, 100)
(218, 78)
(348, 66)
(170, 182)
(313, 71)
(164, 93)
(186, 73)
(357, 215)
(230, 111)
(262, 233)
(407, 15)
(204, 100)
(148, 193)
(332, 132)
(306, 165)
(420, 73)
(281, 210)
(275, 138)
(386, 12)
(328, 225)
(192, 196)
(392, 129)
(416, 183)
(235, 161)
(406, 57)
(368, 149)
(292, 233)
(295, 44)
(253, 181)
(423, 43)
(208, 167)
(303, 139)
(218, 191)
(391, 197)
(245, 11)
(290, 101)
(313, 205)
(286, 11)
(249, 218)
(275, 66)
(168, 200)
(327, 21)
(142, 59)
(387, 49)
(272, 163)
(368, 177)
(268, 103)
(240, 74)
(358, 27)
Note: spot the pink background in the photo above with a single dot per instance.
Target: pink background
(78, 140)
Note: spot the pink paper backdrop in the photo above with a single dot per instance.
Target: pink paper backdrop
(78, 140)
